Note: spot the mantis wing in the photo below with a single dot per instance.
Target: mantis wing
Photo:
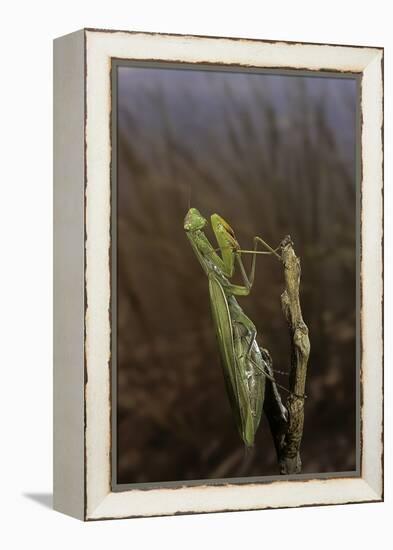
(237, 392)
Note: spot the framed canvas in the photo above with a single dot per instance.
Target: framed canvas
(218, 274)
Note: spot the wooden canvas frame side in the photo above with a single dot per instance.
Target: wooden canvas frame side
(99, 502)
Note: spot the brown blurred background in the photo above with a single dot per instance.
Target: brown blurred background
(273, 155)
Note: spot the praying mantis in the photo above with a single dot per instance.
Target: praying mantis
(245, 364)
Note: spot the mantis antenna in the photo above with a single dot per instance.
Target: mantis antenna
(189, 196)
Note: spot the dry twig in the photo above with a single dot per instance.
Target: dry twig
(286, 422)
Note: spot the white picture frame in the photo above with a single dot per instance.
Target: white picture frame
(82, 241)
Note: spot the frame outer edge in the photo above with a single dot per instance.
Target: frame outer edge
(68, 273)
(372, 273)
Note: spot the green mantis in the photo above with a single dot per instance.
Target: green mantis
(244, 363)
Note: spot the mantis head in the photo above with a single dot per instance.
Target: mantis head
(194, 220)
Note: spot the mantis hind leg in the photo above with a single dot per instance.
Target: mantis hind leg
(248, 330)
(245, 333)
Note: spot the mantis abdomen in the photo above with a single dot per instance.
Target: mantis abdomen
(241, 359)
